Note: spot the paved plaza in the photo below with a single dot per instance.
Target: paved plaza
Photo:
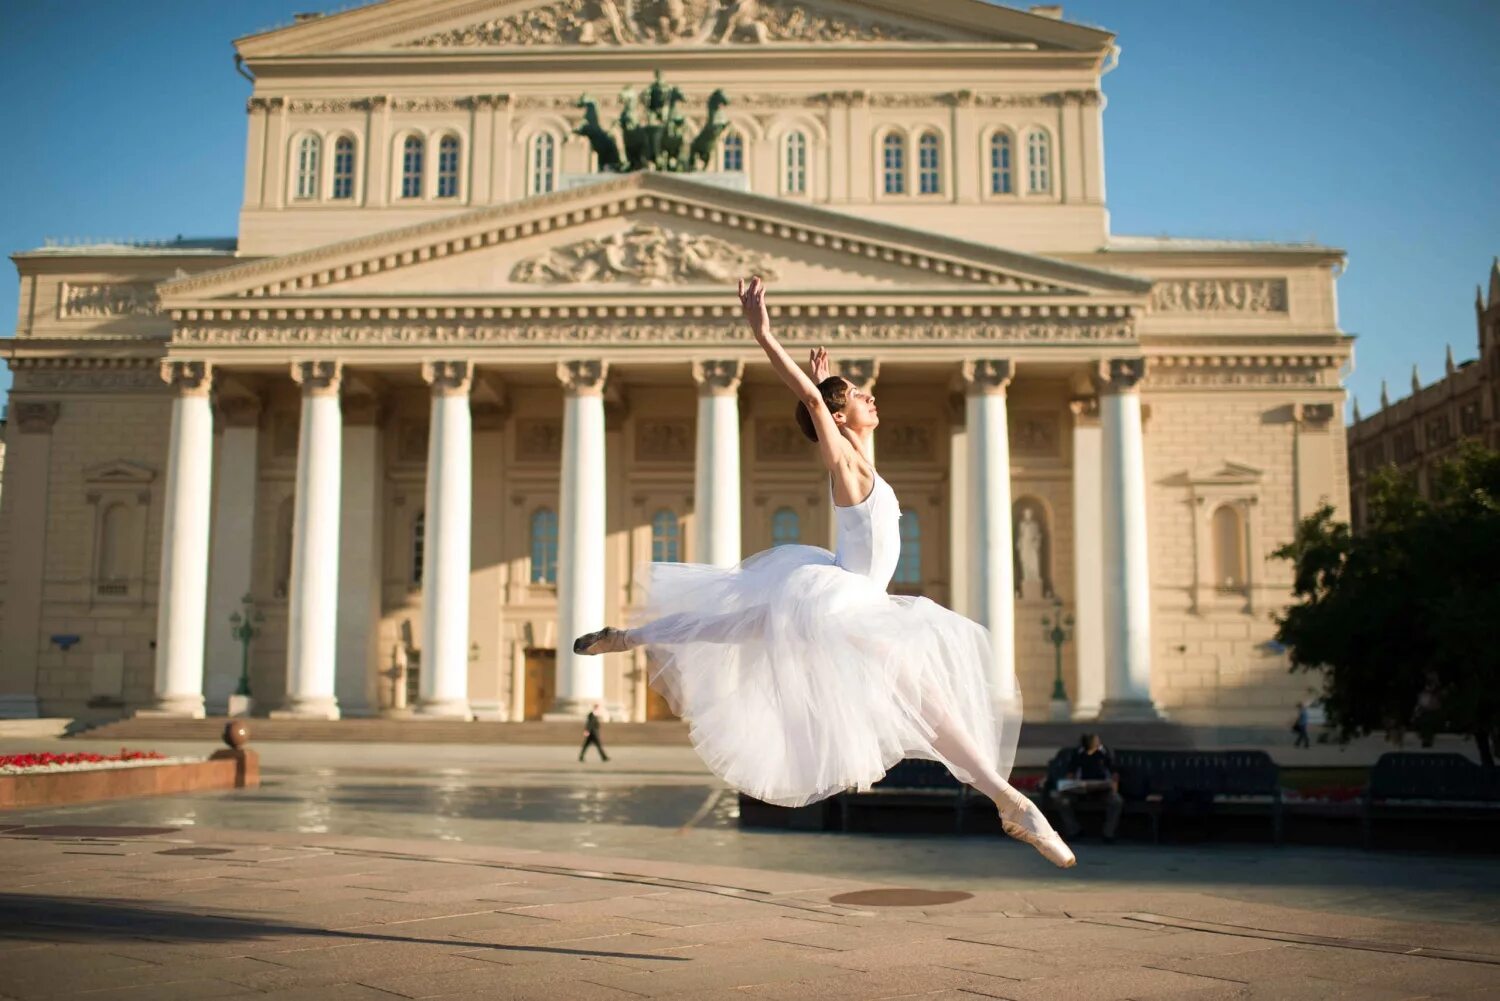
(460, 872)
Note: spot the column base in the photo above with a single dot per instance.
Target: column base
(1130, 711)
(1083, 713)
(569, 709)
(177, 706)
(319, 707)
(444, 709)
(20, 706)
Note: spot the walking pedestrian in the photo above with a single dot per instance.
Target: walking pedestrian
(591, 731)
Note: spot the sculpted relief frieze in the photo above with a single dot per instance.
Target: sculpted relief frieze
(726, 330)
(109, 299)
(643, 254)
(659, 22)
(1220, 295)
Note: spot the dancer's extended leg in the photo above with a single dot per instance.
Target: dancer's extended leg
(1019, 816)
(683, 627)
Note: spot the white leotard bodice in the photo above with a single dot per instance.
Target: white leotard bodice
(869, 534)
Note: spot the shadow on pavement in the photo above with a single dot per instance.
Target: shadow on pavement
(34, 917)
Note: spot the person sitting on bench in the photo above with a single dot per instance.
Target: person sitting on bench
(1091, 776)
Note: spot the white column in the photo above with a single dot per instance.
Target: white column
(445, 542)
(1127, 575)
(182, 600)
(991, 590)
(357, 654)
(958, 517)
(1088, 552)
(580, 530)
(312, 604)
(231, 557)
(716, 473)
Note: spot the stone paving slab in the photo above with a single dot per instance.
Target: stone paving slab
(202, 913)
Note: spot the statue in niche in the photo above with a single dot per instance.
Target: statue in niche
(1033, 551)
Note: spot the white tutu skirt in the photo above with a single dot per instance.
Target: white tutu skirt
(800, 679)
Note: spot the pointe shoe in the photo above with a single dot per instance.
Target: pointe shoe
(1032, 827)
(606, 640)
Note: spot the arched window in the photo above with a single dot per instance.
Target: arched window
(281, 583)
(796, 164)
(543, 164)
(786, 527)
(447, 178)
(544, 546)
(1038, 163)
(309, 156)
(666, 537)
(343, 168)
(909, 564)
(893, 163)
(930, 164)
(1002, 180)
(413, 152)
(115, 564)
(1229, 550)
(732, 152)
(418, 541)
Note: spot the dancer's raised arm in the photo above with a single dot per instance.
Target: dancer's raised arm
(831, 445)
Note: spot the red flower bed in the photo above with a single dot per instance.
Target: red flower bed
(1332, 794)
(47, 758)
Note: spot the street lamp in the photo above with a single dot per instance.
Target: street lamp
(1057, 629)
(243, 628)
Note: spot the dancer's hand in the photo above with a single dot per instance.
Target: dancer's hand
(753, 302)
(818, 365)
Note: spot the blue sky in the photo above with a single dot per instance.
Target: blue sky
(1366, 125)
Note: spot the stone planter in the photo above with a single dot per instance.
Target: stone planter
(227, 769)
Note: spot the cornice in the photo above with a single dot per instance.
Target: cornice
(1198, 371)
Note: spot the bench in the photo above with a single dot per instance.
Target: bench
(1155, 783)
(911, 782)
(1428, 786)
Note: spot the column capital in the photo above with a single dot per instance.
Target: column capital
(718, 378)
(1314, 416)
(583, 378)
(1120, 375)
(318, 378)
(1085, 411)
(188, 378)
(861, 373)
(37, 416)
(448, 378)
(987, 376)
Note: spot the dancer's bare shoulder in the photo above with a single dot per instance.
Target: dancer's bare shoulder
(852, 478)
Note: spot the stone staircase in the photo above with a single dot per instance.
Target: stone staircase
(385, 731)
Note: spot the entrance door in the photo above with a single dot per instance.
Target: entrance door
(656, 704)
(541, 682)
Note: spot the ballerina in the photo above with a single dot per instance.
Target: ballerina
(798, 674)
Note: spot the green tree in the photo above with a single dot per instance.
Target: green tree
(1403, 619)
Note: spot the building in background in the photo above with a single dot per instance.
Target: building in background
(449, 388)
(1427, 426)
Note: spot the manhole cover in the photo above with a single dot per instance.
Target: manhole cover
(900, 898)
(195, 851)
(81, 831)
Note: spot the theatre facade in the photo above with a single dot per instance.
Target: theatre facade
(452, 386)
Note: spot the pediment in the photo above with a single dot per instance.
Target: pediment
(464, 25)
(649, 237)
(1225, 473)
(118, 471)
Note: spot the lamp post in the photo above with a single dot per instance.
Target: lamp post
(243, 628)
(1057, 629)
